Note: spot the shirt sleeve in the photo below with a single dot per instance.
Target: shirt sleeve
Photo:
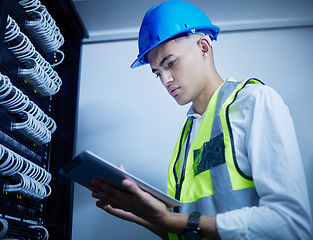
(265, 131)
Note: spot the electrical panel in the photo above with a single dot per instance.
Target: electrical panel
(40, 45)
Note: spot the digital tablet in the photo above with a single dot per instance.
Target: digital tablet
(87, 166)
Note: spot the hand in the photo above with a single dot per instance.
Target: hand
(134, 204)
(113, 211)
(138, 206)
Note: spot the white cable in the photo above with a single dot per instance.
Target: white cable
(5, 86)
(32, 128)
(4, 228)
(12, 163)
(42, 25)
(38, 78)
(12, 30)
(7, 162)
(40, 74)
(32, 180)
(46, 237)
(60, 61)
(15, 101)
(14, 168)
(30, 5)
(29, 187)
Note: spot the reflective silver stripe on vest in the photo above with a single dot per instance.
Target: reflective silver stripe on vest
(213, 205)
(226, 90)
(224, 198)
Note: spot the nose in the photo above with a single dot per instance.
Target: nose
(166, 78)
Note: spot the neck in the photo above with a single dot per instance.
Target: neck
(200, 105)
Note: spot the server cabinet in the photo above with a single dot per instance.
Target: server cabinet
(40, 44)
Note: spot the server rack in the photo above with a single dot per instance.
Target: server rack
(25, 215)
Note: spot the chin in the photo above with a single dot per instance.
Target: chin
(181, 102)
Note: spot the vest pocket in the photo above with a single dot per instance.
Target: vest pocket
(209, 155)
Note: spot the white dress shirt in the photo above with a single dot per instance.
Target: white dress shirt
(266, 149)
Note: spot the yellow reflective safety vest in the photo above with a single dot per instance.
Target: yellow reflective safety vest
(210, 181)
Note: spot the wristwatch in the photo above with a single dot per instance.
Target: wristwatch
(192, 231)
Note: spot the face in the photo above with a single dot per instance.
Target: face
(180, 66)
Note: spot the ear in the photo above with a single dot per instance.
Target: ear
(205, 46)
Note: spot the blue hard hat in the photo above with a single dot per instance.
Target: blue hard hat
(167, 20)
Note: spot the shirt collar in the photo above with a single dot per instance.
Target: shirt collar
(191, 114)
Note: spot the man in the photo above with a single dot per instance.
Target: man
(236, 166)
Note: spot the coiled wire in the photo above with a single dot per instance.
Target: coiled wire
(35, 124)
(42, 25)
(38, 71)
(32, 179)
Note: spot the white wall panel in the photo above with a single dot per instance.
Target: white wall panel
(120, 19)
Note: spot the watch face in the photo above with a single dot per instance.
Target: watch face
(192, 235)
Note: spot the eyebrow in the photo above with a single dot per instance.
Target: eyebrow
(162, 62)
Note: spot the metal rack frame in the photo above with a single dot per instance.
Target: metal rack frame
(54, 212)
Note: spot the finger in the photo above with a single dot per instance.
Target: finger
(100, 187)
(122, 214)
(121, 167)
(95, 195)
(101, 204)
(96, 182)
(94, 191)
(109, 194)
(143, 196)
(132, 188)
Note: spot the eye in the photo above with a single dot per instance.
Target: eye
(158, 75)
(172, 63)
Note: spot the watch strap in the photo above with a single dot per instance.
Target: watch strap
(193, 222)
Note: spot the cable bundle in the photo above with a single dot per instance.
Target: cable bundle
(11, 97)
(33, 180)
(37, 70)
(32, 129)
(29, 188)
(35, 111)
(6, 225)
(46, 236)
(39, 78)
(36, 125)
(42, 25)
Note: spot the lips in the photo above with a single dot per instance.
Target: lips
(173, 91)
